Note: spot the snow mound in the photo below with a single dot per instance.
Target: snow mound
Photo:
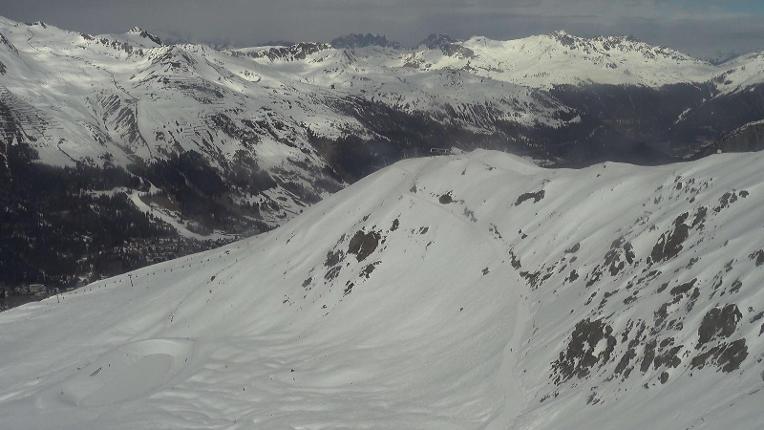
(130, 371)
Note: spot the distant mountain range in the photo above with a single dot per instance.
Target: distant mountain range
(122, 150)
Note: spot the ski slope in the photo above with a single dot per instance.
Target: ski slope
(476, 291)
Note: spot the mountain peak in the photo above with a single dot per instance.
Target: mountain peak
(276, 51)
(437, 40)
(448, 45)
(607, 44)
(359, 40)
(563, 34)
(138, 31)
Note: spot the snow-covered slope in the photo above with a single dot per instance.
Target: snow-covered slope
(561, 58)
(474, 291)
(192, 143)
(741, 73)
(541, 61)
(128, 97)
(128, 100)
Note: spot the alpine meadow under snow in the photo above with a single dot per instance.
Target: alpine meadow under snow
(476, 291)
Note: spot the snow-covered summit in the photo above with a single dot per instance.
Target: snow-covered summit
(561, 58)
(144, 34)
(469, 292)
(538, 61)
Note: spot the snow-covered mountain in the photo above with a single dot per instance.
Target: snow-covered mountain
(193, 144)
(128, 97)
(468, 292)
(561, 58)
(741, 73)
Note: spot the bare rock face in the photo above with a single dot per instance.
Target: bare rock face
(535, 196)
(448, 45)
(670, 244)
(591, 344)
(437, 40)
(363, 244)
(718, 322)
(749, 137)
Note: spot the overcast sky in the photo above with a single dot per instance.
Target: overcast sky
(699, 27)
